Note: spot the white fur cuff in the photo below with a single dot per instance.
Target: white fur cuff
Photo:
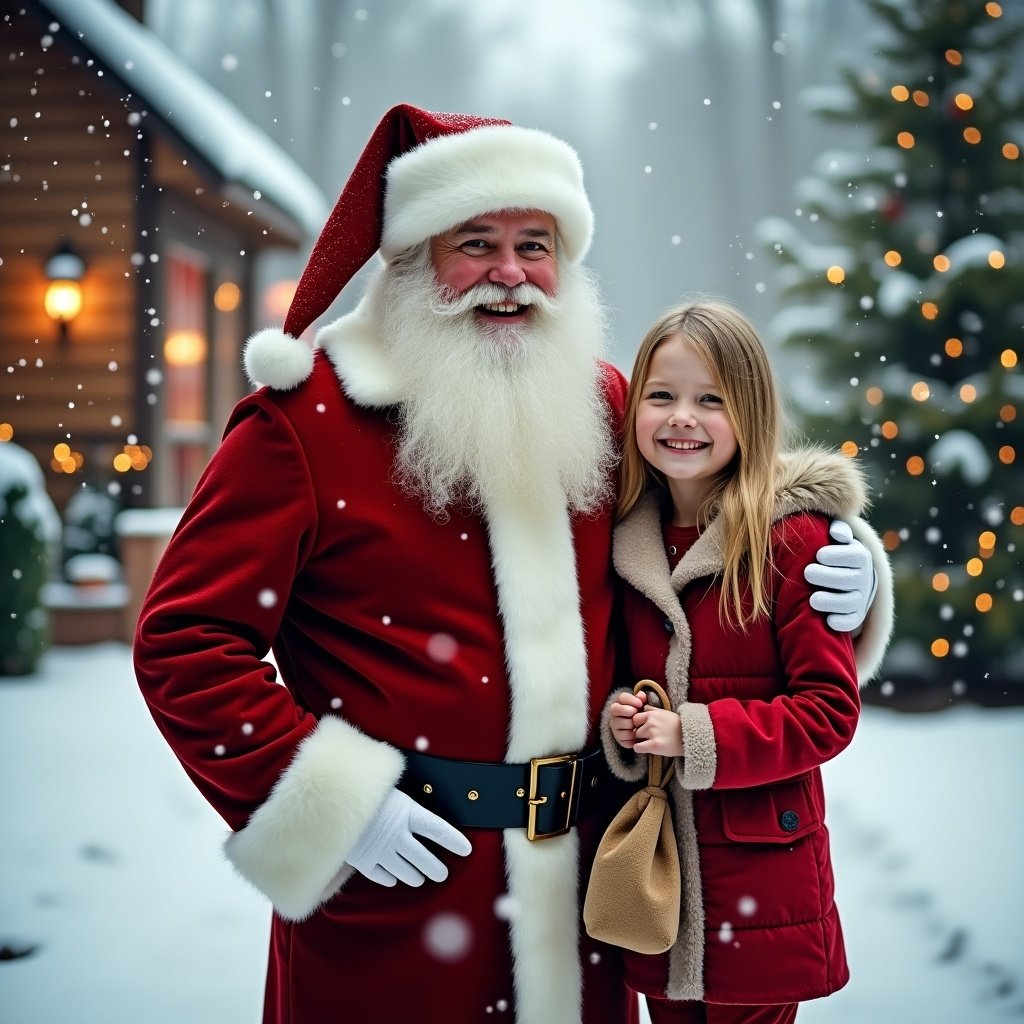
(700, 754)
(870, 645)
(294, 846)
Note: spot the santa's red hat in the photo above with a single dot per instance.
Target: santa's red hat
(420, 174)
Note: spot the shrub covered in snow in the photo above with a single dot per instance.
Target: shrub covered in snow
(89, 524)
(29, 533)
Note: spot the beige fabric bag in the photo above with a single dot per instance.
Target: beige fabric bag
(633, 897)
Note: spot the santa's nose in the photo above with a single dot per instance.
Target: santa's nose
(506, 270)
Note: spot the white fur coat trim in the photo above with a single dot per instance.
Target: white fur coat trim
(538, 597)
(356, 351)
(452, 178)
(293, 848)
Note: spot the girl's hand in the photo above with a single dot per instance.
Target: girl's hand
(657, 731)
(621, 721)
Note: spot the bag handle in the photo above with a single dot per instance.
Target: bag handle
(659, 767)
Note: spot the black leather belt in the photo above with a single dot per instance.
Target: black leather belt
(545, 796)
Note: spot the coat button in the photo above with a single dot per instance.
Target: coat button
(669, 628)
(789, 820)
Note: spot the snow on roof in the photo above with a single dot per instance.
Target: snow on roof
(203, 117)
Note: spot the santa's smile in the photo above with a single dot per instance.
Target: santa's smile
(502, 309)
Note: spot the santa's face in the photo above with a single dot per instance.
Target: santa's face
(503, 249)
(484, 394)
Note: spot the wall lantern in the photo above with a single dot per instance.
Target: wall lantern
(64, 271)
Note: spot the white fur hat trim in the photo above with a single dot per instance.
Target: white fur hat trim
(452, 178)
(277, 359)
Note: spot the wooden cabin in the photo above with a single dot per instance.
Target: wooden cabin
(118, 159)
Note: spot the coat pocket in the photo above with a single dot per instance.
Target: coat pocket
(778, 813)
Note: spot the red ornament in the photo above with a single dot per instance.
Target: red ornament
(893, 206)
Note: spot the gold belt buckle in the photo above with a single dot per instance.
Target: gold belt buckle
(536, 763)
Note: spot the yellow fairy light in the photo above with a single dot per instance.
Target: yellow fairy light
(1007, 454)
(227, 297)
(133, 456)
(963, 100)
(915, 465)
(921, 97)
(993, 10)
(954, 347)
(835, 275)
(874, 396)
(968, 393)
(940, 647)
(1011, 150)
(1008, 413)
(849, 449)
(900, 93)
(893, 258)
(972, 135)
(61, 451)
(983, 602)
(890, 540)
(1017, 515)
(905, 140)
(6, 431)
(974, 567)
(1008, 357)
(987, 539)
(953, 57)
(996, 260)
(889, 430)
(920, 391)
(941, 264)
(940, 582)
(929, 310)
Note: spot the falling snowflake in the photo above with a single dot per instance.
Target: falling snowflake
(447, 937)
(442, 648)
(506, 907)
(267, 598)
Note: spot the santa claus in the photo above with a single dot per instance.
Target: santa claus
(416, 518)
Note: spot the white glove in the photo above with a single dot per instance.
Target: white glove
(846, 569)
(388, 850)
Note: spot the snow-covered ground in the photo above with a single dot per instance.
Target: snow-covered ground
(110, 865)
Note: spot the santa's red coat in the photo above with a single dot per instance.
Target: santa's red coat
(479, 638)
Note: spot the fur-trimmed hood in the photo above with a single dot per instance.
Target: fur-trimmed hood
(808, 480)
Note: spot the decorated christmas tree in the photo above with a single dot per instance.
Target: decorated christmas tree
(903, 284)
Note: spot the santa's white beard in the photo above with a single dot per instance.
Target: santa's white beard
(502, 411)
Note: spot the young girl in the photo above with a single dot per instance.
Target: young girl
(716, 527)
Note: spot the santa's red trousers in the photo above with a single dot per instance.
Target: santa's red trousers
(675, 1011)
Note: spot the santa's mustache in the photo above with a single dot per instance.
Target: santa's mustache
(449, 303)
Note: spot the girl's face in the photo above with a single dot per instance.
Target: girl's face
(681, 424)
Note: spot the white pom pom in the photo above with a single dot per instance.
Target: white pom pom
(277, 359)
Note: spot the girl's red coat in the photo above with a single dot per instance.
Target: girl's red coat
(761, 711)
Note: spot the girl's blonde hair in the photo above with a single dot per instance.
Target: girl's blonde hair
(743, 496)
